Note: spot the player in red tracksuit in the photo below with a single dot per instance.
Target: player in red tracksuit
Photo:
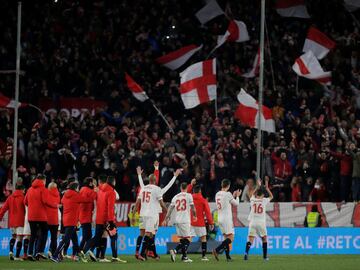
(36, 199)
(87, 209)
(71, 207)
(14, 204)
(198, 226)
(105, 220)
(53, 216)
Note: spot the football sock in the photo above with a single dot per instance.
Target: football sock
(138, 243)
(145, 245)
(153, 246)
(98, 249)
(179, 246)
(222, 246)
(248, 245)
(203, 248)
(26, 246)
(186, 244)
(113, 240)
(264, 246)
(227, 249)
(18, 248)
(103, 245)
(12, 244)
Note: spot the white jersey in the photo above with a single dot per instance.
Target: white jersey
(163, 190)
(181, 203)
(150, 197)
(258, 209)
(224, 200)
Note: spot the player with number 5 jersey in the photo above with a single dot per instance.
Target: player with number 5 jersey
(224, 201)
(257, 217)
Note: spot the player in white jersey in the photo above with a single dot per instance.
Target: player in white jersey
(224, 201)
(151, 244)
(257, 217)
(182, 205)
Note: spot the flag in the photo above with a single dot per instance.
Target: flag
(6, 102)
(248, 112)
(210, 11)
(236, 32)
(308, 66)
(255, 69)
(198, 83)
(292, 8)
(352, 5)
(135, 89)
(176, 59)
(318, 43)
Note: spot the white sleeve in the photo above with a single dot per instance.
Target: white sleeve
(191, 200)
(159, 194)
(266, 201)
(234, 201)
(141, 182)
(168, 186)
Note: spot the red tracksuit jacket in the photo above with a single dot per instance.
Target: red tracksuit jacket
(86, 209)
(71, 207)
(105, 204)
(202, 210)
(36, 199)
(15, 205)
(51, 212)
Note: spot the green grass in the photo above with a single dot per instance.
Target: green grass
(294, 262)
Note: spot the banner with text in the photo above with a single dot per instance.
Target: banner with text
(280, 241)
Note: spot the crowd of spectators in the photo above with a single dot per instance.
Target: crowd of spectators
(83, 48)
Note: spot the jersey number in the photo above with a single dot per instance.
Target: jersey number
(146, 196)
(218, 204)
(258, 209)
(180, 205)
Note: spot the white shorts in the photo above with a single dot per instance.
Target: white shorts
(227, 227)
(183, 229)
(257, 228)
(151, 224)
(198, 231)
(27, 230)
(17, 230)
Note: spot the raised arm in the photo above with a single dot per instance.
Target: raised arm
(235, 199)
(172, 181)
(271, 196)
(258, 185)
(139, 172)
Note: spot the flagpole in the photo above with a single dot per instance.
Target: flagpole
(261, 89)
(269, 52)
(162, 116)
(16, 109)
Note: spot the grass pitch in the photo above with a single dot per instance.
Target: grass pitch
(292, 262)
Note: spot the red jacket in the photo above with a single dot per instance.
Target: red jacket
(345, 163)
(105, 204)
(36, 199)
(71, 207)
(86, 209)
(202, 210)
(51, 212)
(282, 168)
(15, 205)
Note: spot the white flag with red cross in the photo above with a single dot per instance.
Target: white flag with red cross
(198, 83)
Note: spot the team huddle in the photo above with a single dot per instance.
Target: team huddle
(40, 211)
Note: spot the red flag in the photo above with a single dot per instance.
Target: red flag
(318, 43)
(136, 89)
(198, 83)
(176, 59)
(6, 102)
(292, 8)
(248, 110)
